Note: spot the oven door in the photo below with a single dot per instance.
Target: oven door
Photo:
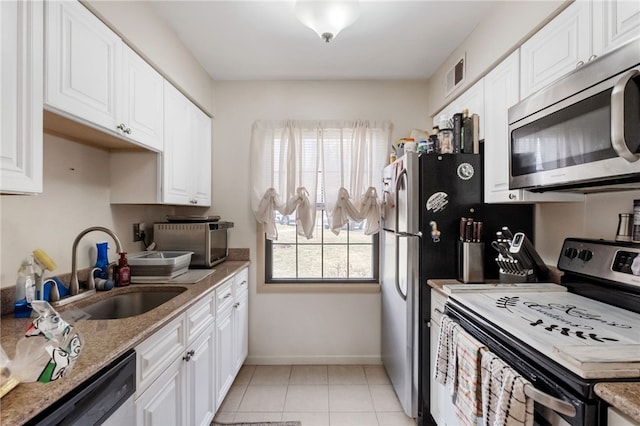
(546, 379)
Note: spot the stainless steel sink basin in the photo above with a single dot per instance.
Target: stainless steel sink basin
(130, 304)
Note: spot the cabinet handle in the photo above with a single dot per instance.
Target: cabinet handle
(579, 64)
(121, 127)
(592, 57)
(128, 130)
(189, 354)
(235, 305)
(512, 196)
(243, 283)
(226, 296)
(438, 311)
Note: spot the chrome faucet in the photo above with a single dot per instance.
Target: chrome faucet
(74, 286)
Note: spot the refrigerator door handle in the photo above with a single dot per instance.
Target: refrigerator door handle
(402, 176)
(409, 234)
(397, 274)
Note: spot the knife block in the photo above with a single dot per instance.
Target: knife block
(470, 262)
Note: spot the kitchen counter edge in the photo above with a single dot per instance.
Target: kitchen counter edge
(624, 396)
(104, 341)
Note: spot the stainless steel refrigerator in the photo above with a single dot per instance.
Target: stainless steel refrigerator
(425, 197)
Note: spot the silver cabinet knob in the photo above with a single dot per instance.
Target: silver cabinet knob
(579, 64)
(592, 57)
(121, 127)
(128, 130)
(189, 355)
(512, 196)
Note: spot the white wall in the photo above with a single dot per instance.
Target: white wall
(596, 218)
(296, 327)
(75, 196)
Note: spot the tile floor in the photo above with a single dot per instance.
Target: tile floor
(316, 395)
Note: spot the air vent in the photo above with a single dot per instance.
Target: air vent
(455, 76)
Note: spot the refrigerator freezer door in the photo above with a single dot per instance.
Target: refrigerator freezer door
(400, 273)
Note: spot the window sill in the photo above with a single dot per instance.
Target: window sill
(318, 288)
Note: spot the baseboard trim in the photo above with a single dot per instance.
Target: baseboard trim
(314, 360)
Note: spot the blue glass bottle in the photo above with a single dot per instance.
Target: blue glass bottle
(103, 260)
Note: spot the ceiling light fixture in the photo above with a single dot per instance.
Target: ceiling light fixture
(327, 18)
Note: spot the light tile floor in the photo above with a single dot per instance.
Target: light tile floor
(316, 395)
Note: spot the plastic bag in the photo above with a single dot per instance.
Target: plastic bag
(49, 349)
(8, 380)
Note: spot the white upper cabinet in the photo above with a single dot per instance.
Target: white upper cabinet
(582, 32)
(94, 78)
(187, 155)
(142, 109)
(21, 80)
(181, 174)
(502, 92)
(82, 60)
(615, 23)
(559, 47)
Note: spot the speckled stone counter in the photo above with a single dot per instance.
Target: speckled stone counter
(623, 396)
(104, 341)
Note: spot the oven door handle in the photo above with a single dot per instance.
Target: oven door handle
(556, 404)
(618, 141)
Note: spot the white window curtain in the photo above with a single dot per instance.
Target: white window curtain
(297, 164)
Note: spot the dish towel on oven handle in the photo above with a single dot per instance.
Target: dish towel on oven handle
(504, 402)
(468, 396)
(446, 358)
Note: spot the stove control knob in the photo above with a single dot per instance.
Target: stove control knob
(585, 255)
(571, 252)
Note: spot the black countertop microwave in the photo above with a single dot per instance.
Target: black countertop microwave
(581, 132)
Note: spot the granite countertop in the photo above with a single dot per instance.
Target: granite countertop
(625, 396)
(104, 341)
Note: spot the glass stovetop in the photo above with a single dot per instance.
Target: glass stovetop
(588, 337)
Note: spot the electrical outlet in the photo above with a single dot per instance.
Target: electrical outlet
(136, 232)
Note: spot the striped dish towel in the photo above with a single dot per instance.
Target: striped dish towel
(504, 402)
(445, 371)
(468, 401)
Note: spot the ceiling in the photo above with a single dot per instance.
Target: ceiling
(263, 40)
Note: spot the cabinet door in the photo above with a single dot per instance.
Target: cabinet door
(21, 80)
(241, 329)
(162, 403)
(177, 155)
(502, 92)
(143, 112)
(557, 48)
(83, 57)
(201, 395)
(615, 22)
(225, 363)
(202, 158)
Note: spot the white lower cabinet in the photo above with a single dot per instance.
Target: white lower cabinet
(225, 364)
(185, 369)
(616, 418)
(440, 402)
(232, 330)
(176, 370)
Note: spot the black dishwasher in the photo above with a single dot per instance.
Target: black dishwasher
(95, 399)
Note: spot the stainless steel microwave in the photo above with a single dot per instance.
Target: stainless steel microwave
(581, 132)
(207, 240)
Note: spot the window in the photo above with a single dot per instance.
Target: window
(315, 190)
(350, 256)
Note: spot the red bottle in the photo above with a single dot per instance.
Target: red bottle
(123, 272)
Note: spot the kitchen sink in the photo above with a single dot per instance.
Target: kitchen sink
(129, 304)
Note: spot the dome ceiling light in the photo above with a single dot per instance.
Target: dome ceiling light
(327, 18)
